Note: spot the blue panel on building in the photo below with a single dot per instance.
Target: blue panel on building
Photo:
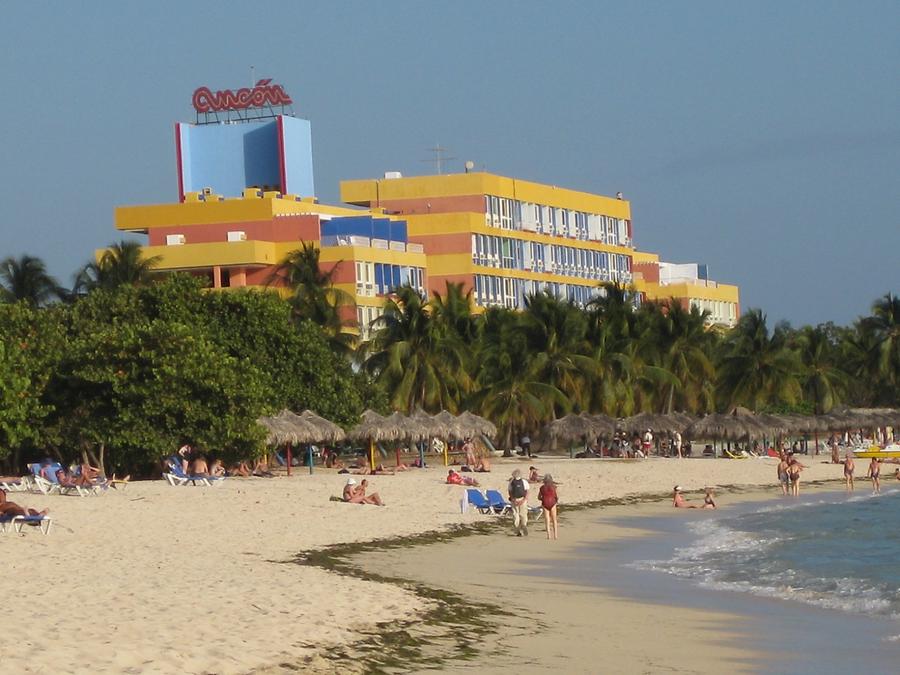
(398, 231)
(355, 225)
(381, 228)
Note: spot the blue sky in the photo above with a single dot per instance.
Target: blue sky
(760, 138)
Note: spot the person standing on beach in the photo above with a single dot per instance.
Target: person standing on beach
(794, 469)
(676, 443)
(518, 497)
(548, 499)
(525, 442)
(848, 470)
(874, 473)
(783, 477)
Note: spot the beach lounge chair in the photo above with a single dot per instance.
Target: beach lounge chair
(479, 501)
(735, 455)
(176, 476)
(21, 485)
(498, 502)
(44, 522)
(50, 485)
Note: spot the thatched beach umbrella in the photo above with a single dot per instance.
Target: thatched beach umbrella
(449, 423)
(432, 425)
(473, 425)
(328, 431)
(656, 422)
(718, 426)
(604, 426)
(573, 428)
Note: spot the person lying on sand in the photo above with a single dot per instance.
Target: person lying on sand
(533, 475)
(9, 509)
(240, 469)
(679, 502)
(217, 469)
(455, 478)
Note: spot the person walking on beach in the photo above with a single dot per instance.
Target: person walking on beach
(548, 499)
(518, 497)
(874, 473)
(848, 470)
(783, 477)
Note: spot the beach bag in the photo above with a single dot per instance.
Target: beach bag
(517, 488)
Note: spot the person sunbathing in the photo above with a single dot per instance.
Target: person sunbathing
(482, 464)
(217, 469)
(262, 469)
(10, 509)
(368, 499)
(533, 475)
(240, 469)
(455, 478)
(199, 467)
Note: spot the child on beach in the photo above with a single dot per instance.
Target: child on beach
(548, 498)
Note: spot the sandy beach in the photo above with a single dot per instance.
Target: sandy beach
(156, 579)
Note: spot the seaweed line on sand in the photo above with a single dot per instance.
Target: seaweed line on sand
(453, 626)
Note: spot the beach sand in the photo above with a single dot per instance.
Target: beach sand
(156, 579)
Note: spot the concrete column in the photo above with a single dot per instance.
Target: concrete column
(217, 276)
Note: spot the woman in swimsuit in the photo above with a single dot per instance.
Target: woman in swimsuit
(794, 469)
(548, 498)
(874, 472)
(708, 501)
(679, 502)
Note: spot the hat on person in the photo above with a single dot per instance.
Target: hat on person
(351, 481)
(677, 488)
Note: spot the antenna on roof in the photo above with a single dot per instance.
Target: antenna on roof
(439, 158)
(252, 76)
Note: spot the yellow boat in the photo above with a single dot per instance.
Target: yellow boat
(890, 452)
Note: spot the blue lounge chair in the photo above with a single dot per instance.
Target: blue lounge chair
(17, 522)
(501, 506)
(176, 476)
(498, 502)
(478, 500)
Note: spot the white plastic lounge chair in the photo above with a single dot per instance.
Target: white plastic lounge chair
(176, 476)
(44, 522)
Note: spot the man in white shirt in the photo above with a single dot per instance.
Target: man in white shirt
(518, 497)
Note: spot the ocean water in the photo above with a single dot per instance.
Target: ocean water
(832, 551)
(815, 580)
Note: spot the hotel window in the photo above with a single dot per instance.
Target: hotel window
(365, 278)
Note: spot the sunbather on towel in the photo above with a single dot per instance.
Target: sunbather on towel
(8, 508)
(454, 478)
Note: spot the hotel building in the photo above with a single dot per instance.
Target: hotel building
(246, 199)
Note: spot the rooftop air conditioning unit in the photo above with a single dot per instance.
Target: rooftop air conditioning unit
(391, 175)
(237, 236)
(207, 190)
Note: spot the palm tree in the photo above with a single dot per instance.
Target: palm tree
(683, 346)
(756, 369)
(122, 263)
(510, 391)
(824, 382)
(556, 339)
(884, 359)
(313, 294)
(454, 311)
(414, 358)
(26, 279)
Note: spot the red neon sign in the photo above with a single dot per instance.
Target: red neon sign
(262, 94)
